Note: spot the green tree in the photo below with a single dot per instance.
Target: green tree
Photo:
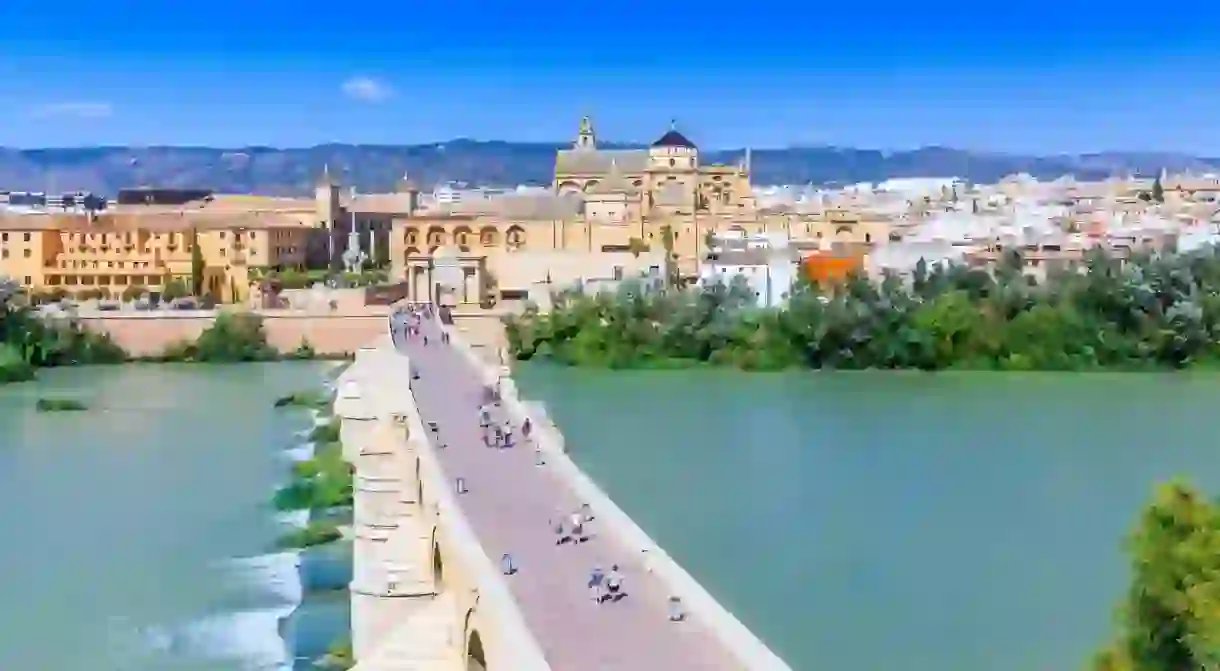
(1170, 620)
(1158, 190)
(671, 265)
(197, 264)
(175, 289)
(636, 246)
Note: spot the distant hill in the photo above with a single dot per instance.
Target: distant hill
(267, 170)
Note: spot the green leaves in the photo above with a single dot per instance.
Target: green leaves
(1171, 617)
(1161, 311)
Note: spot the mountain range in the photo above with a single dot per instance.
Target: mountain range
(372, 168)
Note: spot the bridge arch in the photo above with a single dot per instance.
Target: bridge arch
(476, 657)
(438, 567)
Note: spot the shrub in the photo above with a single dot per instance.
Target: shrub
(13, 367)
(304, 351)
(175, 289)
(304, 399)
(233, 337)
(59, 405)
(133, 293)
(39, 342)
(314, 534)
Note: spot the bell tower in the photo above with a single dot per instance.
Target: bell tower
(586, 138)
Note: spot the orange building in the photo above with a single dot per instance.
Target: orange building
(829, 267)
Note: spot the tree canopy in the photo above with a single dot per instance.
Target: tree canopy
(1170, 619)
(1150, 311)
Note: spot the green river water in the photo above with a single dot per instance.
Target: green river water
(138, 536)
(879, 521)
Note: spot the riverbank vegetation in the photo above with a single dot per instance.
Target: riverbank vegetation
(1170, 618)
(233, 338)
(321, 483)
(60, 405)
(1150, 312)
(29, 341)
(316, 532)
(312, 400)
(339, 657)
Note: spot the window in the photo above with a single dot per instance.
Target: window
(3, 237)
(672, 163)
(618, 272)
(26, 253)
(3, 253)
(29, 280)
(26, 237)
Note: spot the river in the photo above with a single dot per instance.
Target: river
(869, 521)
(138, 535)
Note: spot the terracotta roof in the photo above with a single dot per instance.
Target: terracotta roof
(673, 138)
(523, 207)
(155, 221)
(598, 161)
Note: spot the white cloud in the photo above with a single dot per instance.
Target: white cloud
(76, 110)
(366, 89)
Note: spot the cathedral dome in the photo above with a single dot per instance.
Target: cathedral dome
(673, 138)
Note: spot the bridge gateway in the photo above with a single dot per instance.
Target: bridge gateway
(427, 591)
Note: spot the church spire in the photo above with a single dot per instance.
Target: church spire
(586, 138)
(325, 179)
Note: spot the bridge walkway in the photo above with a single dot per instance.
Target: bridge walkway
(509, 504)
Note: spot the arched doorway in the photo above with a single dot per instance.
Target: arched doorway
(476, 660)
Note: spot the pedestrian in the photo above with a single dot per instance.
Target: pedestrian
(586, 512)
(676, 613)
(614, 584)
(425, 341)
(526, 427)
(561, 535)
(597, 581)
(508, 435)
(578, 527)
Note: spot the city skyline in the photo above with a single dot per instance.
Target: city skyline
(894, 78)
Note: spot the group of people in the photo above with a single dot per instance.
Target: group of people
(604, 586)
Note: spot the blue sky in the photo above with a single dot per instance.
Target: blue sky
(1050, 77)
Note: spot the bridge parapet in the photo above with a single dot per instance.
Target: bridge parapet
(424, 593)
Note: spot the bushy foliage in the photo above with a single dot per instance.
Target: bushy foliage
(319, 483)
(1170, 620)
(232, 338)
(1146, 312)
(29, 340)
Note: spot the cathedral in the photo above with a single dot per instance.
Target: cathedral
(667, 179)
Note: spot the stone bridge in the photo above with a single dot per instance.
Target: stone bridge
(428, 590)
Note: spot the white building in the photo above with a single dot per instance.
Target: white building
(766, 263)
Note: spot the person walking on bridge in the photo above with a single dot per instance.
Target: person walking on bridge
(597, 580)
(614, 585)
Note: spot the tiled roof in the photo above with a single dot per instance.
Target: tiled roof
(673, 138)
(598, 161)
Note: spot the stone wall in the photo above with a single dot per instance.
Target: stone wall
(150, 333)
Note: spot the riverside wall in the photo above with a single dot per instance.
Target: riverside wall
(150, 333)
(735, 636)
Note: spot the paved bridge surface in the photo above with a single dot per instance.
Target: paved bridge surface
(509, 504)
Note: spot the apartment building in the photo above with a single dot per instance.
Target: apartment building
(149, 245)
